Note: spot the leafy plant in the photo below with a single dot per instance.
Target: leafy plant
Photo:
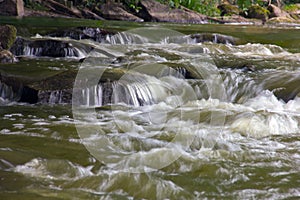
(35, 5)
(133, 4)
(291, 7)
(208, 7)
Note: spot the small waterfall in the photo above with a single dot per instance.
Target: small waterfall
(6, 92)
(214, 38)
(240, 87)
(55, 96)
(49, 48)
(32, 51)
(135, 94)
(126, 38)
(93, 96)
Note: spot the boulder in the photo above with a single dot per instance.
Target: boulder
(6, 57)
(8, 35)
(115, 11)
(228, 10)
(257, 12)
(276, 11)
(156, 12)
(12, 8)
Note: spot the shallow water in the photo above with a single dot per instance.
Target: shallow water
(179, 120)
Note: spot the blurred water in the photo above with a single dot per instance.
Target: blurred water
(192, 117)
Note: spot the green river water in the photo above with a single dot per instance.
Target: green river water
(184, 120)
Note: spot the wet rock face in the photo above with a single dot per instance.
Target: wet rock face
(156, 12)
(12, 7)
(80, 33)
(49, 48)
(215, 38)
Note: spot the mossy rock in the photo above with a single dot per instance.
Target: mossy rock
(8, 34)
(228, 10)
(281, 20)
(257, 12)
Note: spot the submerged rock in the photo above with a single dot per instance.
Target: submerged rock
(156, 12)
(215, 38)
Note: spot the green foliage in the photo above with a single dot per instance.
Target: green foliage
(208, 7)
(133, 4)
(244, 4)
(291, 7)
(34, 5)
(92, 3)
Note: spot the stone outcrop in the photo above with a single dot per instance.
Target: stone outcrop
(12, 8)
(276, 12)
(115, 11)
(156, 12)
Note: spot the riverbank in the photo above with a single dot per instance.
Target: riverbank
(154, 11)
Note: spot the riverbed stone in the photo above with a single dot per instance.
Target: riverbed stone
(6, 57)
(12, 8)
(156, 12)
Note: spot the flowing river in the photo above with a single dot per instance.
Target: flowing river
(150, 111)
